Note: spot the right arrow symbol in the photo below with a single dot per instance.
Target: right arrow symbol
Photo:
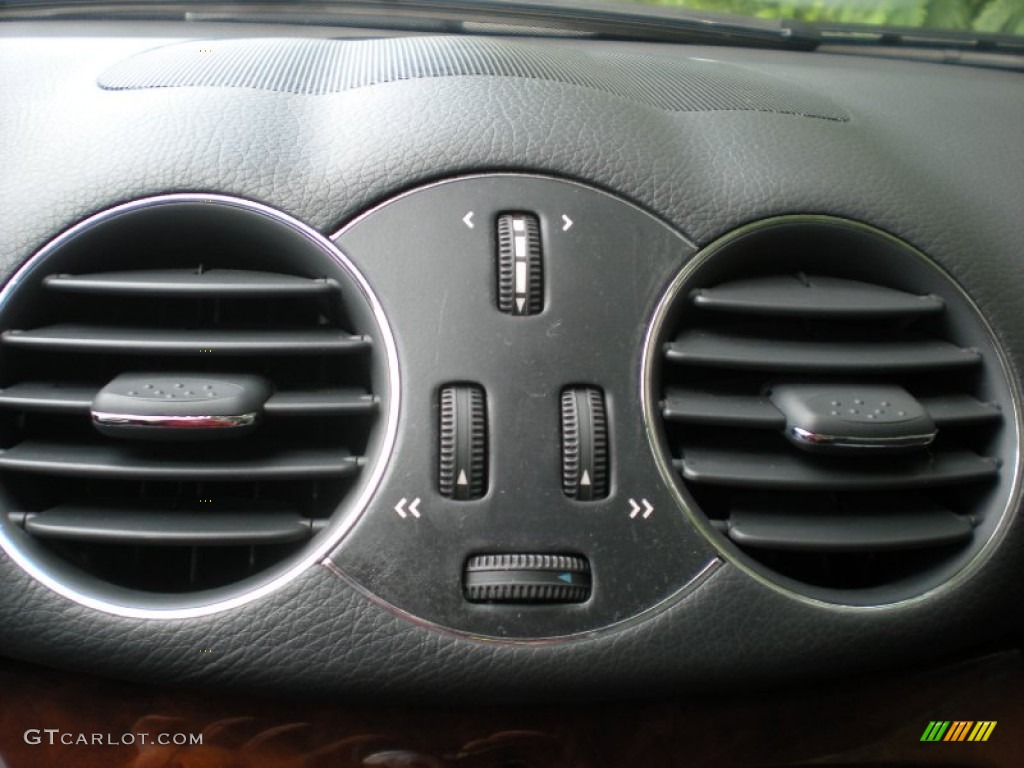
(566, 223)
(634, 509)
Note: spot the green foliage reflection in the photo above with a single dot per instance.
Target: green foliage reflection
(1003, 16)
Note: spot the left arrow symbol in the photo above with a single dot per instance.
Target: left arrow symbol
(468, 220)
(400, 509)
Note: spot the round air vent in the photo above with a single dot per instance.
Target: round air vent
(196, 400)
(832, 410)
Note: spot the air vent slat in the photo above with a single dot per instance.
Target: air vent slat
(320, 403)
(695, 407)
(814, 296)
(145, 526)
(711, 348)
(751, 412)
(889, 531)
(129, 463)
(796, 471)
(160, 341)
(47, 397)
(960, 410)
(214, 283)
(50, 397)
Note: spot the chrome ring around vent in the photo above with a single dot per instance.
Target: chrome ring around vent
(182, 606)
(651, 361)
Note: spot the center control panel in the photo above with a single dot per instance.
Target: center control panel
(522, 499)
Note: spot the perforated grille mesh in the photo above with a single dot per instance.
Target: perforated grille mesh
(317, 67)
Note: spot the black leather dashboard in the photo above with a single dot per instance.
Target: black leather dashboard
(929, 153)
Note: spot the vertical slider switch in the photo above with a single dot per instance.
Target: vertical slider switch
(462, 465)
(520, 264)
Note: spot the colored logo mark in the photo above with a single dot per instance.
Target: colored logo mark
(958, 730)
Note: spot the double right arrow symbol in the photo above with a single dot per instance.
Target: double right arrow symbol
(635, 508)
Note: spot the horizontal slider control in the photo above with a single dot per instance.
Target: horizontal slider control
(799, 471)
(214, 283)
(753, 412)
(527, 578)
(813, 296)
(146, 526)
(720, 350)
(876, 532)
(117, 461)
(161, 341)
(47, 397)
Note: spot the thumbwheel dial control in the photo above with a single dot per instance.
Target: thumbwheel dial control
(462, 466)
(527, 578)
(520, 264)
(584, 444)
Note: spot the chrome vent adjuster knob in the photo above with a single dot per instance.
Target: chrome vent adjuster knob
(855, 418)
(179, 407)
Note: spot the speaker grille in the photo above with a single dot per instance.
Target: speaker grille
(317, 67)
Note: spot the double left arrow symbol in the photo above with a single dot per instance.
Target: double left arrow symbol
(404, 511)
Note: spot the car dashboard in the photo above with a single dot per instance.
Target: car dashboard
(506, 400)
